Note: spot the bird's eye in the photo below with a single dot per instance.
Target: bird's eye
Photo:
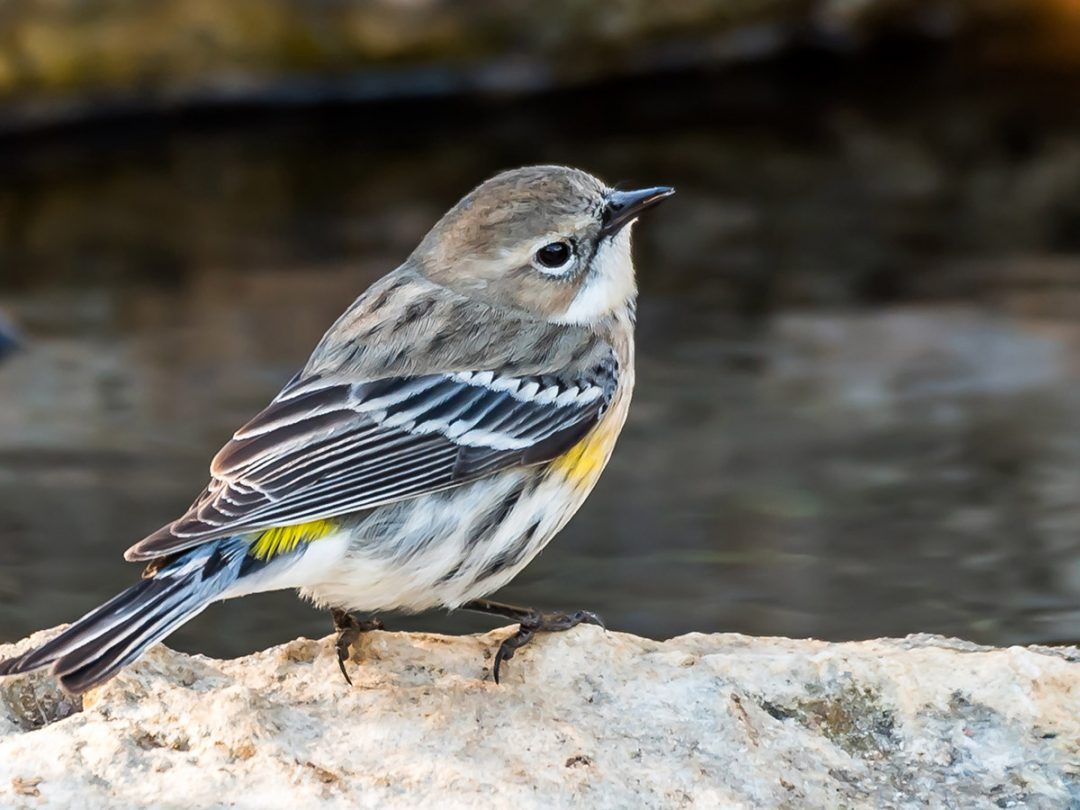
(554, 256)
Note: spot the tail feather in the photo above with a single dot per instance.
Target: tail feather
(153, 612)
(87, 667)
(94, 624)
(112, 636)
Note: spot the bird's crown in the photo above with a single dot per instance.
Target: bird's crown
(548, 240)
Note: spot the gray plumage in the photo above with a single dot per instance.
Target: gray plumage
(444, 429)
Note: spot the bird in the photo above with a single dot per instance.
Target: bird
(443, 431)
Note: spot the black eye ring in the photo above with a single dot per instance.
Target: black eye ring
(554, 255)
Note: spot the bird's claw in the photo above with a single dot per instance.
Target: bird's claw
(537, 622)
(349, 630)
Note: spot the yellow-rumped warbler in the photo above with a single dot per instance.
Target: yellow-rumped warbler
(445, 428)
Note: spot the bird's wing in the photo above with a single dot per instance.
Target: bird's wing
(327, 446)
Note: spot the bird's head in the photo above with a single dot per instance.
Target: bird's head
(548, 240)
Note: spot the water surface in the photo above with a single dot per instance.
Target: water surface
(858, 403)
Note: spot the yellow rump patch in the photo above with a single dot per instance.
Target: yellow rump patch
(283, 539)
(584, 462)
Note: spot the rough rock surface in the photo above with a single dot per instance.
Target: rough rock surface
(584, 719)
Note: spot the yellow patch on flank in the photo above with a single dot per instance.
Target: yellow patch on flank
(283, 539)
(584, 462)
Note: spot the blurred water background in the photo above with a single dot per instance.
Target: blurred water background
(858, 406)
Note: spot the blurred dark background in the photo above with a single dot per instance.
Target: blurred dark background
(858, 407)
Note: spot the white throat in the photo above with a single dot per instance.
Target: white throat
(610, 286)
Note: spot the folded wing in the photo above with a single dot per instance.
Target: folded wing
(327, 447)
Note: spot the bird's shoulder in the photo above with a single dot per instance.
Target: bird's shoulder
(405, 325)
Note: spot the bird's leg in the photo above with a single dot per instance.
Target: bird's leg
(349, 629)
(530, 622)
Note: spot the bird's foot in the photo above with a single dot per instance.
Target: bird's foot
(540, 623)
(530, 622)
(349, 629)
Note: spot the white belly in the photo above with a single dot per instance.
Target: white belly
(444, 549)
(434, 551)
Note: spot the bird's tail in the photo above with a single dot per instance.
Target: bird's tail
(103, 641)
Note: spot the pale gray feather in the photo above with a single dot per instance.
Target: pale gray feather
(376, 420)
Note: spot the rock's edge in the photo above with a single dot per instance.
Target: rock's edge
(584, 717)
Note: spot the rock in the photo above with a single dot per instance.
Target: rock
(583, 719)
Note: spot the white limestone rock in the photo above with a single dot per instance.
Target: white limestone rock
(582, 719)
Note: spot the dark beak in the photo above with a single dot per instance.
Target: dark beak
(623, 207)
